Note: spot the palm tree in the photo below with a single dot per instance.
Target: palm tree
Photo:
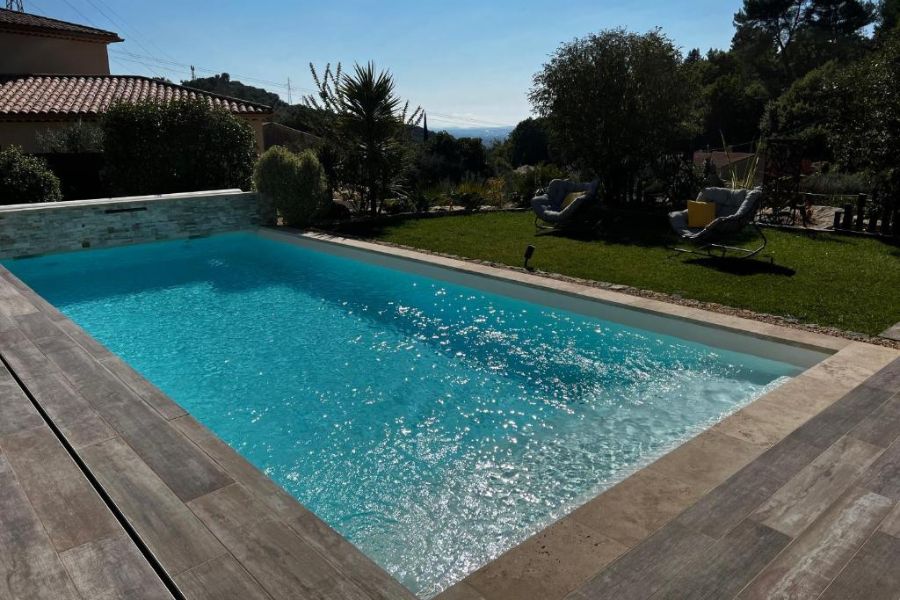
(370, 124)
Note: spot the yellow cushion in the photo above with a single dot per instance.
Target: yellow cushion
(701, 214)
(570, 198)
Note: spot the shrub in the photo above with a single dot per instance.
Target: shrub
(835, 183)
(295, 183)
(180, 146)
(25, 179)
(77, 138)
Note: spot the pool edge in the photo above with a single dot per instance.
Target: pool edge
(747, 430)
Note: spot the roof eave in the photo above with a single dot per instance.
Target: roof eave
(65, 35)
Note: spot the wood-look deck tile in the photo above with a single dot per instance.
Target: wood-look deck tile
(891, 524)
(70, 412)
(30, 569)
(113, 569)
(175, 536)
(722, 509)
(220, 579)
(30, 295)
(881, 427)
(719, 511)
(72, 512)
(347, 558)
(183, 466)
(840, 418)
(724, 568)
(164, 405)
(637, 506)
(337, 550)
(279, 559)
(808, 494)
(76, 333)
(786, 458)
(883, 477)
(17, 413)
(815, 558)
(13, 303)
(38, 326)
(548, 565)
(872, 574)
(887, 378)
(270, 493)
(186, 469)
(460, 591)
(648, 566)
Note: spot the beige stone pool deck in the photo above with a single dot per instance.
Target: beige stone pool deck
(109, 489)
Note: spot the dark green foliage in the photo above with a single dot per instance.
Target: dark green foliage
(730, 99)
(295, 184)
(181, 146)
(304, 118)
(800, 35)
(867, 134)
(529, 143)
(888, 17)
(25, 179)
(614, 101)
(446, 158)
(224, 85)
(808, 111)
(77, 138)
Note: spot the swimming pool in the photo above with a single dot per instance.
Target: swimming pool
(434, 425)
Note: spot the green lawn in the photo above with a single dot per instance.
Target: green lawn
(846, 282)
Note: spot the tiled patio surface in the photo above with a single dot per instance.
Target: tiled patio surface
(108, 489)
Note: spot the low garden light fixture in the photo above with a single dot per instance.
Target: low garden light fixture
(529, 252)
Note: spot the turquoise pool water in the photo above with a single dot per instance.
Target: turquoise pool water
(433, 425)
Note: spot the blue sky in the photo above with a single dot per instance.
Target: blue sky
(466, 61)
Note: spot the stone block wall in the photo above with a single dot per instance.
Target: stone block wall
(30, 229)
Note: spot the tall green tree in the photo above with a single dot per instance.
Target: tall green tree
(529, 143)
(613, 102)
(371, 127)
(775, 23)
(800, 35)
(888, 17)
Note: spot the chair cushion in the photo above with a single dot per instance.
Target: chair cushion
(701, 214)
(570, 198)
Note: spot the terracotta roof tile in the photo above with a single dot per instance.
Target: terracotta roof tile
(22, 22)
(61, 96)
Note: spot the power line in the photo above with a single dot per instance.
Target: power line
(170, 63)
(119, 21)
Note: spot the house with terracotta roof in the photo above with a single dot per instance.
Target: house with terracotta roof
(54, 73)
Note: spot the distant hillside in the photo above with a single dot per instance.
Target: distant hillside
(487, 134)
(226, 86)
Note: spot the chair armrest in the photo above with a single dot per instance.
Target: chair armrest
(678, 220)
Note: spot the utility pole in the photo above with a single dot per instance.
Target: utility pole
(15, 5)
(425, 123)
(290, 101)
(193, 74)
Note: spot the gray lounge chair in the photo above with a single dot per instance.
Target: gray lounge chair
(735, 210)
(548, 207)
